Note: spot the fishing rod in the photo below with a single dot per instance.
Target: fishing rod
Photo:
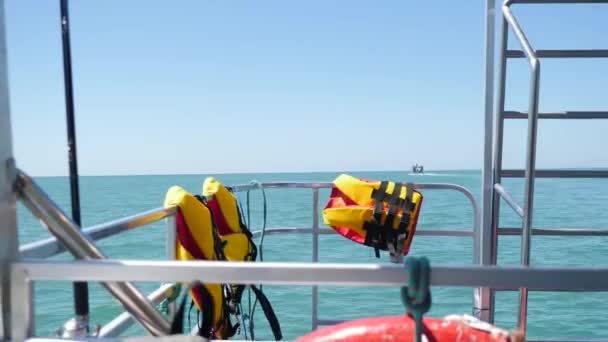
(81, 289)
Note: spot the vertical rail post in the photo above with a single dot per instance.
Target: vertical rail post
(498, 150)
(315, 254)
(22, 298)
(9, 238)
(526, 234)
(81, 289)
(170, 236)
(484, 234)
(170, 249)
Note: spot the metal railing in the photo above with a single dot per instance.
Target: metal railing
(19, 316)
(32, 195)
(53, 246)
(505, 278)
(69, 234)
(533, 56)
(316, 230)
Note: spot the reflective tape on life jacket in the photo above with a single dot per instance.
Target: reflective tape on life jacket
(197, 239)
(379, 214)
(401, 328)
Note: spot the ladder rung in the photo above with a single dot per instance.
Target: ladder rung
(557, 173)
(573, 115)
(557, 231)
(560, 53)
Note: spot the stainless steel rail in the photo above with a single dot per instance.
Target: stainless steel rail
(483, 298)
(49, 247)
(329, 231)
(557, 231)
(585, 279)
(558, 173)
(572, 115)
(315, 255)
(9, 237)
(316, 230)
(66, 231)
(590, 53)
(530, 152)
(121, 323)
(328, 185)
(509, 199)
(532, 115)
(53, 246)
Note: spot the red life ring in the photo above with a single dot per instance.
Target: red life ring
(401, 328)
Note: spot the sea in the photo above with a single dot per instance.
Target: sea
(563, 203)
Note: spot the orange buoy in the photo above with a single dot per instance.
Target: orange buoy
(401, 328)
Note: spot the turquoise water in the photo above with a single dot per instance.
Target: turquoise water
(559, 203)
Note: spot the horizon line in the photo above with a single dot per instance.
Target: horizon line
(243, 173)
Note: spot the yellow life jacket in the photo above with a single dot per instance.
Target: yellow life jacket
(379, 214)
(196, 239)
(211, 228)
(235, 236)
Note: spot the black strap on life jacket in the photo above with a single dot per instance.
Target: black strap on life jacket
(232, 294)
(269, 313)
(375, 236)
(204, 329)
(207, 307)
(383, 236)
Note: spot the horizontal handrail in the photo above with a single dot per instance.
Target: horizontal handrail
(500, 190)
(588, 53)
(557, 173)
(329, 185)
(285, 273)
(328, 231)
(50, 247)
(557, 231)
(275, 185)
(565, 115)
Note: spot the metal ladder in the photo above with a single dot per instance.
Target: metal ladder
(530, 173)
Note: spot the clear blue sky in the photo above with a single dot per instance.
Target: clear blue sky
(251, 86)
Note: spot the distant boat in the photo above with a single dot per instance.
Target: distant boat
(417, 168)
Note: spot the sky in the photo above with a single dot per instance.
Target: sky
(181, 87)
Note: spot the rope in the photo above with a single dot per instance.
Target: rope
(417, 296)
(174, 293)
(247, 319)
(260, 247)
(244, 315)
